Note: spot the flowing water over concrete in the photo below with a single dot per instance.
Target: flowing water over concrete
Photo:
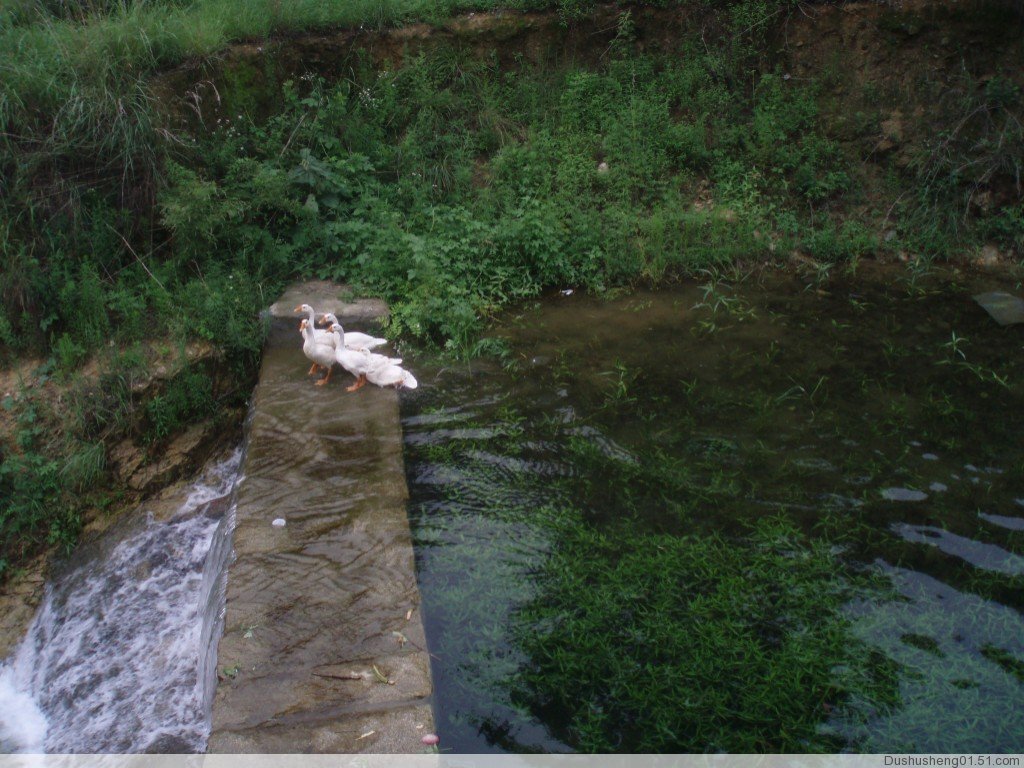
(118, 656)
(323, 649)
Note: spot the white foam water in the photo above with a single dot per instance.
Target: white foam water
(22, 724)
(121, 655)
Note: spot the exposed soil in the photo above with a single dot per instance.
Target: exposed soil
(249, 76)
(132, 461)
(136, 470)
(890, 73)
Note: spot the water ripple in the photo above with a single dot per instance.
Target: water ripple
(988, 557)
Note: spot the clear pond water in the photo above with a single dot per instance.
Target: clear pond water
(844, 457)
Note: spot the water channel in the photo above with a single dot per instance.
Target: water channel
(121, 655)
(756, 516)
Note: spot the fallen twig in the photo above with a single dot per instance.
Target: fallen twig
(349, 676)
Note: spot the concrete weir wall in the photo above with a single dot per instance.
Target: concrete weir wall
(323, 647)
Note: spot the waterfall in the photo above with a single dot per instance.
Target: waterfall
(121, 654)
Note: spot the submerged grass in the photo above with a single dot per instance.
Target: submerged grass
(657, 643)
(626, 640)
(588, 607)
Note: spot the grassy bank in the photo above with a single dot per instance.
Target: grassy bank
(450, 186)
(85, 156)
(84, 150)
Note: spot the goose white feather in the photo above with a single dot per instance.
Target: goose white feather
(321, 336)
(322, 355)
(384, 373)
(367, 366)
(354, 339)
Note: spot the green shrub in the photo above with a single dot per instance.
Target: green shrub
(451, 189)
(1007, 228)
(68, 353)
(834, 243)
(35, 508)
(187, 398)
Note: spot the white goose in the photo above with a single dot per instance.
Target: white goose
(384, 373)
(367, 366)
(321, 336)
(322, 355)
(354, 339)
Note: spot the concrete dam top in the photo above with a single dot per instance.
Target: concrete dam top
(323, 647)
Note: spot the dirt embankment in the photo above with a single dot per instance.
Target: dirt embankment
(248, 77)
(137, 466)
(897, 78)
(138, 461)
(869, 54)
(901, 79)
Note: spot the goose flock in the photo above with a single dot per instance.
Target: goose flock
(350, 350)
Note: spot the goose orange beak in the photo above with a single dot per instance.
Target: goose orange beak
(298, 309)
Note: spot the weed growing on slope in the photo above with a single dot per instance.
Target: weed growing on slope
(452, 188)
(55, 470)
(33, 508)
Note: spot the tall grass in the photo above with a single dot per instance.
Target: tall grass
(78, 125)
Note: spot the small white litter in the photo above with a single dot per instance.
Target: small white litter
(278, 523)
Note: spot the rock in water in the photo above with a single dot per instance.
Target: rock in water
(903, 494)
(1005, 308)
